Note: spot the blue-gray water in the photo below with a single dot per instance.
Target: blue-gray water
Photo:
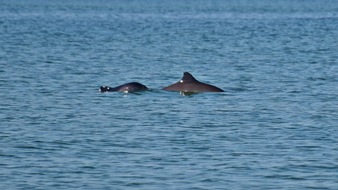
(274, 127)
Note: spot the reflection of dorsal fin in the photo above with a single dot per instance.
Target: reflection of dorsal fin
(187, 77)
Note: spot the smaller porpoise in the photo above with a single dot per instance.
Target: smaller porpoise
(128, 87)
(189, 84)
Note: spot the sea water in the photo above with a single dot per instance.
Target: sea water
(274, 127)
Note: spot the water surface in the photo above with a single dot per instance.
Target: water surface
(274, 127)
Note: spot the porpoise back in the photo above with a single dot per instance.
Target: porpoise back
(189, 84)
(128, 87)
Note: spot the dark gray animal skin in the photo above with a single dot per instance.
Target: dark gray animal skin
(128, 87)
(189, 84)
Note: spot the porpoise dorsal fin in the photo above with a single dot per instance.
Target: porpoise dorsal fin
(187, 77)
